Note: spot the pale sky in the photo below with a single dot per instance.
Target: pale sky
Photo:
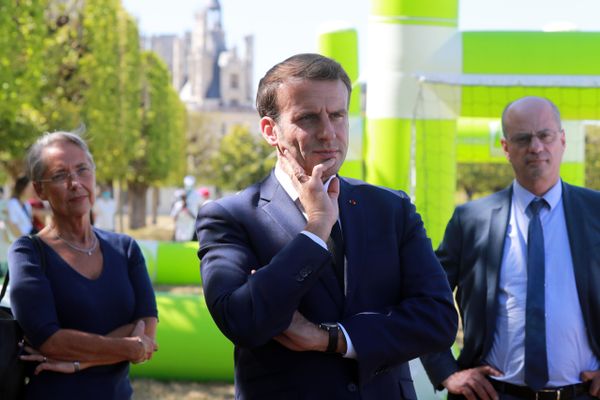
(282, 28)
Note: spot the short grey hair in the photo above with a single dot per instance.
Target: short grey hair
(35, 164)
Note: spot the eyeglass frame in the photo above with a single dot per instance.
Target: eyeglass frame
(59, 179)
(524, 140)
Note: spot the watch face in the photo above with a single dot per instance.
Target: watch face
(328, 325)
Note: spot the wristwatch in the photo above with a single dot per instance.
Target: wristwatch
(333, 330)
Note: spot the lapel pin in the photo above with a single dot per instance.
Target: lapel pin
(352, 202)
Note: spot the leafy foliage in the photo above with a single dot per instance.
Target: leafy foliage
(71, 63)
(243, 158)
(481, 179)
(160, 145)
(22, 32)
(592, 157)
(202, 146)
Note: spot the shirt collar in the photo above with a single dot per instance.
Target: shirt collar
(523, 196)
(286, 182)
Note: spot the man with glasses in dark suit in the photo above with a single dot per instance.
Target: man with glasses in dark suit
(525, 263)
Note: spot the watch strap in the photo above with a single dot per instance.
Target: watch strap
(333, 332)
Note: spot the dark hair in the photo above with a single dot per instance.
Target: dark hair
(35, 164)
(553, 106)
(19, 186)
(301, 66)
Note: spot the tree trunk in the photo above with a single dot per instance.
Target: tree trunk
(137, 204)
(155, 204)
(120, 204)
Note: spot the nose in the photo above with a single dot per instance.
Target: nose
(535, 145)
(327, 131)
(73, 179)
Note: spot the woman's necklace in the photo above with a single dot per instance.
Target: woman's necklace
(89, 250)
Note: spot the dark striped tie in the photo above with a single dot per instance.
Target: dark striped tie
(536, 363)
(335, 244)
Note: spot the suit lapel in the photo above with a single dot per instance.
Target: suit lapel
(499, 217)
(279, 206)
(580, 244)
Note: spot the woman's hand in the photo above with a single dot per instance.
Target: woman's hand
(49, 364)
(147, 345)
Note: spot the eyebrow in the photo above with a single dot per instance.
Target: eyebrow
(543, 130)
(81, 164)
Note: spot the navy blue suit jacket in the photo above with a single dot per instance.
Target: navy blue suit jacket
(398, 304)
(471, 254)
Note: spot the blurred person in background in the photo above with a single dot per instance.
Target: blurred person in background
(104, 211)
(5, 237)
(38, 213)
(192, 200)
(19, 209)
(205, 195)
(184, 219)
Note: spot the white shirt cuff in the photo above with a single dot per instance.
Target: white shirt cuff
(350, 352)
(315, 239)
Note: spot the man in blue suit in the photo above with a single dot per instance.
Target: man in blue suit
(327, 286)
(523, 341)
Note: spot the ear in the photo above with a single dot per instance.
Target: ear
(504, 144)
(267, 128)
(39, 190)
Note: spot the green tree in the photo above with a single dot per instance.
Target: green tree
(592, 157)
(242, 159)
(160, 146)
(63, 83)
(481, 179)
(110, 70)
(22, 34)
(202, 145)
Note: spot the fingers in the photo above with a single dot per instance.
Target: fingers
(30, 350)
(472, 383)
(469, 394)
(34, 357)
(485, 390)
(291, 167)
(299, 176)
(489, 370)
(39, 368)
(595, 388)
(594, 378)
(334, 188)
(319, 169)
(587, 376)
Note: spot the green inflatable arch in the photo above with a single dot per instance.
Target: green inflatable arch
(191, 347)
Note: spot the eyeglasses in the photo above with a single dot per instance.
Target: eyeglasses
(524, 139)
(83, 172)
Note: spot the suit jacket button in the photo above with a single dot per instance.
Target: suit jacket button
(352, 387)
(381, 370)
(304, 272)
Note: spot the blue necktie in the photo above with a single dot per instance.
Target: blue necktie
(536, 363)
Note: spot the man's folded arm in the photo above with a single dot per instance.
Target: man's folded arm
(252, 303)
